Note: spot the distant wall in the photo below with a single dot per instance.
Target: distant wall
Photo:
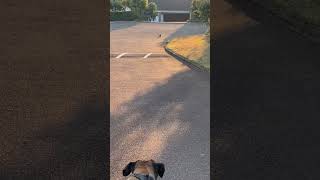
(174, 17)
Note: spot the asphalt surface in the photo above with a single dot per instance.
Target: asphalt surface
(266, 97)
(160, 108)
(52, 86)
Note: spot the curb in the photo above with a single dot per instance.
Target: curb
(164, 22)
(291, 23)
(186, 61)
(151, 22)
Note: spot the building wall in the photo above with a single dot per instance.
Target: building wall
(173, 5)
(175, 17)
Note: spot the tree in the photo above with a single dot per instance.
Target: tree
(116, 5)
(142, 4)
(200, 9)
(152, 10)
(195, 9)
(138, 7)
(125, 3)
(205, 10)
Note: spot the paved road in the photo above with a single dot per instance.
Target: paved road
(266, 98)
(160, 109)
(52, 111)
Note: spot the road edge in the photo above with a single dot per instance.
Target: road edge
(186, 61)
(312, 34)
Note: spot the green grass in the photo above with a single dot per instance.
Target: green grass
(195, 48)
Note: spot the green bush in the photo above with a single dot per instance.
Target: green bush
(138, 7)
(140, 10)
(151, 11)
(117, 5)
(200, 10)
(122, 16)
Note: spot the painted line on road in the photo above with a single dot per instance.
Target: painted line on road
(120, 55)
(146, 56)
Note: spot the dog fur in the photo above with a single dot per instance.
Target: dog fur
(144, 170)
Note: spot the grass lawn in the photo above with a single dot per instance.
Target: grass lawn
(195, 48)
(303, 10)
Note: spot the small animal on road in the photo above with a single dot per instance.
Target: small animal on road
(144, 170)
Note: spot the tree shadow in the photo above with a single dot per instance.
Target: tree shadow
(191, 28)
(266, 94)
(160, 125)
(118, 25)
(75, 149)
(53, 65)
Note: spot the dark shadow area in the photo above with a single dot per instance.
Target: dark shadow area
(51, 66)
(117, 25)
(180, 109)
(176, 17)
(266, 103)
(262, 14)
(192, 28)
(76, 149)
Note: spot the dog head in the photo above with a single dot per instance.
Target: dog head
(146, 168)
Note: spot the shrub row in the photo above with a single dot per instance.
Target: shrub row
(122, 16)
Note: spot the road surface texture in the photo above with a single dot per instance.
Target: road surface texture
(266, 98)
(160, 108)
(52, 79)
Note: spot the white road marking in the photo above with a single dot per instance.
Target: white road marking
(120, 55)
(146, 56)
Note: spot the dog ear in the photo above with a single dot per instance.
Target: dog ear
(159, 168)
(128, 169)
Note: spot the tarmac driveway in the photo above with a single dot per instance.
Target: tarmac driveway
(266, 103)
(160, 108)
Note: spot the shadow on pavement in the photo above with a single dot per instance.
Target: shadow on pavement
(75, 149)
(162, 123)
(52, 62)
(118, 25)
(266, 104)
(192, 28)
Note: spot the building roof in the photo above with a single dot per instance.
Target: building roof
(173, 5)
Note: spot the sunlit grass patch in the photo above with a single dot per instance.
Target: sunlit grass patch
(195, 48)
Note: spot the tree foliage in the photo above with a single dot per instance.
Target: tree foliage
(140, 9)
(151, 10)
(125, 3)
(117, 5)
(200, 9)
(122, 16)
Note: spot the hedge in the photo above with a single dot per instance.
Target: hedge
(122, 16)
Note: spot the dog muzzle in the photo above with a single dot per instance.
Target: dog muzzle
(142, 177)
